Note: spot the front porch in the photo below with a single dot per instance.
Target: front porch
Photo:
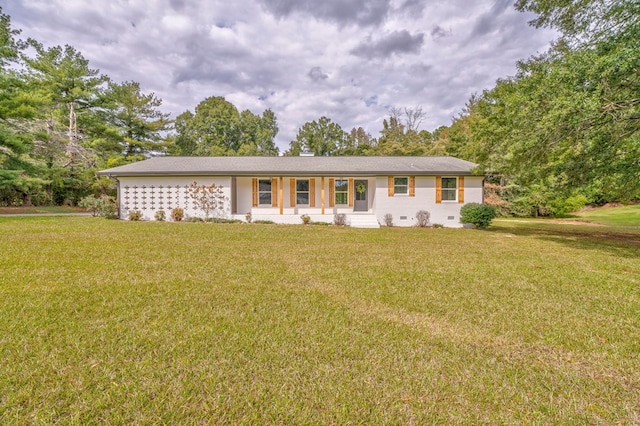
(353, 219)
(320, 197)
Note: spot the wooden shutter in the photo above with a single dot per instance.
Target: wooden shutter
(438, 189)
(292, 192)
(461, 189)
(274, 192)
(390, 186)
(412, 186)
(332, 192)
(350, 192)
(312, 192)
(254, 192)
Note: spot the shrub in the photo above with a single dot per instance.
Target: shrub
(248, 217)
(104, 206)
(422, 218)
(480, 215)
(388, 219)
(264, 222)
(160, 216)
(340, 219)
(177, 214)
(320, 223)
(438, 225)
(305, 219)
(135, 215)
(209, 199)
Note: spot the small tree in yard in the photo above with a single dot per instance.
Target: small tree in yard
(104, 206)
(480, 215)
(208, 198)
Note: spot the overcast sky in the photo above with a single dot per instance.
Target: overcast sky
(349, 60)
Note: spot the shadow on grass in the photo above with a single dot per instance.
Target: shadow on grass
(615, 241)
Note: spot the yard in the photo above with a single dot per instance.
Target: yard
(137, 322)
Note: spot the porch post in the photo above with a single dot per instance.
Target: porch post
(281, 201)
(322, 194)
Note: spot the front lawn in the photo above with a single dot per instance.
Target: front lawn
(108, 321)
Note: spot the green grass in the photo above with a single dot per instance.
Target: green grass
(139, 322)
(41, 210)
(619, 216)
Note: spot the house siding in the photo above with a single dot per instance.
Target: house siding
(404, 207)
(151, 194)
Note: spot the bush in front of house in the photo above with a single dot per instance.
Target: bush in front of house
(135, 215)
(160, 216)
(177, 214)
(422, 218)
(340, 219)
(104, 206)
(388, 220)
(480, 215)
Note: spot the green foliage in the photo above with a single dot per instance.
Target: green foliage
(264, 222)
(480, 215)
(322, 137)
(177, 214)
(104, 205)
(306, 219)
(160, 216)
(217, 128)
(194, 219)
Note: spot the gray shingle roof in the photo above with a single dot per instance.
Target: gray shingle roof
(292, 166)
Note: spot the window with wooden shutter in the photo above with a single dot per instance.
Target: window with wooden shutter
(460, 189)
(438, 189)
(254, 192)
(292, 192)
(350, 192)
(390, 185)
(274, 192)
(312, 192)
(412, 186)
(332, 200)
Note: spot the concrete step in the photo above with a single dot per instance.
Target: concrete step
(363, 221)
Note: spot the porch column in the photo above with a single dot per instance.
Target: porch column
(322, 194)
(281, 199)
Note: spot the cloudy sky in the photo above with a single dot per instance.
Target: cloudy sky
(349, 60)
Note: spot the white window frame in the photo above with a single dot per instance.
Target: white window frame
(335, 192)
(395, 186)
(448, 190)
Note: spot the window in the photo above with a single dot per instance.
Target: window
(401, 185)
(449, 188)
(341, 191)
(264, 191)
(302, 191)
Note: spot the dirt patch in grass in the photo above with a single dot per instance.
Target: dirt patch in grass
(572, 222)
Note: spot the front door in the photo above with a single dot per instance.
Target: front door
(361, 201)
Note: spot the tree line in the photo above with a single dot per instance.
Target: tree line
(561, 133)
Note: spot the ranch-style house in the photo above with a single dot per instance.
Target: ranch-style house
(281, 189)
